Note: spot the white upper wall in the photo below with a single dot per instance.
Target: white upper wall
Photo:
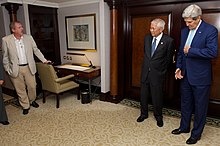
(102, 55)
(32, 2)
(75, 11)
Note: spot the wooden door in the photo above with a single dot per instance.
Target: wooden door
(140, 26)
(213, 17)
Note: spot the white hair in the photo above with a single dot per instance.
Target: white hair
(159, 22)
(192, 11)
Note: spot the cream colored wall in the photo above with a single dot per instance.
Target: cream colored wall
(102, 55)
(74, 11)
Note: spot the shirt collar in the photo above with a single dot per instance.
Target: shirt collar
(159, 36)
(18, 39)
(198, 25)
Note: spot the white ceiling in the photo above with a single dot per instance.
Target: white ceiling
(57, 1)
(63, 3)
(37, 1)
(52, 3)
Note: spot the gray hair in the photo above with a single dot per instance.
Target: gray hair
(192, 11)
(12, 24)
(159, 22)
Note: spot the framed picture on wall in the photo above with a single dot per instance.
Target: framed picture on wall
(81, 32)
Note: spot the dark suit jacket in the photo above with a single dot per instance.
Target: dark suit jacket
(204, 47)
(3, 114)
(155, 67)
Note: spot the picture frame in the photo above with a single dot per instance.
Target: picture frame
(81, 32)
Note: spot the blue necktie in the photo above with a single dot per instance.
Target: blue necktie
(190, 37)
(153, 48)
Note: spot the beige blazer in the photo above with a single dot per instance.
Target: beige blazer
(10, 54)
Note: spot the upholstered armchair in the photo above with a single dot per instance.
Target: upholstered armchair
(50, 82)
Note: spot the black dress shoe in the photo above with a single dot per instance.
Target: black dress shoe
(4, 122)
(25, 111)
(141, 118)
(160, 123)
(179, 131)
(192, 140)
(34, 104)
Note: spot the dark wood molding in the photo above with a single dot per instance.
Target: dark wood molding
(12, 10)
(158, 2)
(114, 53)
(108, 98)
(114, 4)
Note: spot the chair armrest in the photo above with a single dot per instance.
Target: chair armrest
(64, 78)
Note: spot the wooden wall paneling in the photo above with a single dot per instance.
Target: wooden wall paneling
(131, 36)
(211, 14)
(214, 19)
(171, 88)
(141, 27)
(122, 46)
(139, 20)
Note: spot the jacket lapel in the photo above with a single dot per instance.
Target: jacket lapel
(12, 40)
(160, 45)
(148, 46)
(198, 34)
(25, 43)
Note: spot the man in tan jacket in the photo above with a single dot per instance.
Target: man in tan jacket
(18, 60)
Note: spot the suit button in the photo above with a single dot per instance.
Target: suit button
(149, 69)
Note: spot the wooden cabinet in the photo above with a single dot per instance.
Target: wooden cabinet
(44, 29)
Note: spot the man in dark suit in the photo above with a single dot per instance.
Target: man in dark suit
(199, 44)
(158, 52)
(3, 114)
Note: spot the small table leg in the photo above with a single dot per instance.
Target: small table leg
(90, 88)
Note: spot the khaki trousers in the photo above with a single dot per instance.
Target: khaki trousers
(25, 86)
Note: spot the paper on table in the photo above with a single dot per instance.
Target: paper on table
(73, 67)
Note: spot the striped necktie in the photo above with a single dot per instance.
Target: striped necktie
(153, 47)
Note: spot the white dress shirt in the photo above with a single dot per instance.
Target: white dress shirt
(21, 51)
